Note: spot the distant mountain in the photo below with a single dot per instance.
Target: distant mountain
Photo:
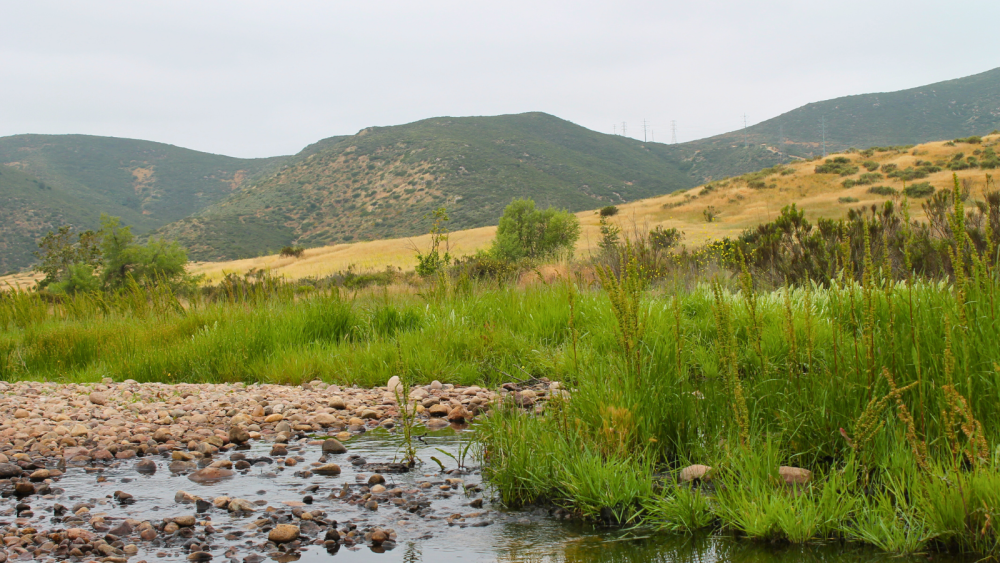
(944, 110)
(383, 181)
(147, 184)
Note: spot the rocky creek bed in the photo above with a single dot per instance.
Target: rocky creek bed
(126, 471)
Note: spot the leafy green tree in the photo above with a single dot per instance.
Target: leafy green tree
(156, 261)
(58, 253)
(106, 259)
(526, 232)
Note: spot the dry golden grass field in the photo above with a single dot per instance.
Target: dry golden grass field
(738, 206)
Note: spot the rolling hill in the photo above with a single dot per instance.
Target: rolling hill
(147, 184)
(738, 203)
(944, 110)
(383, 181)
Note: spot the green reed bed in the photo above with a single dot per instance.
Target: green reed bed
(887, 390)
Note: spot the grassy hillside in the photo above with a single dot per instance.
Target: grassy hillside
(944, 110)
(383, 181)
(738, 203)
(147, 184)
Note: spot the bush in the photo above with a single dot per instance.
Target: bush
(923, 189)
(882, 190)
(526, 232)
(664, 239)
(889, 167)
(292, 252)
(837, 165)
(847, 199)
(869, 178)
(973, 140)
(609, 211)
(871, 165)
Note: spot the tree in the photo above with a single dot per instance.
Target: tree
(108, 258)
(156, 261)
(57, 254)
(526, 232)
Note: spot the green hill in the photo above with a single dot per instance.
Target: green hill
(944, 110)
(382, 182)
(147, 184)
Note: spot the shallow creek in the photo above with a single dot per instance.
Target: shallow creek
(452, 527)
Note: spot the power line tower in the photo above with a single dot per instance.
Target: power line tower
(822, 125)
(624, 129)
(614, 129)
(673, 131)
(643, 130)
(745, 142)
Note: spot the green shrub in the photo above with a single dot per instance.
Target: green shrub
(526, 232)
(973, 140)
(871, 165)
(837, 165)
(292, 251)
(882, 190)
(847, 199)
(609, 211)
(889, 167)
(923, 189)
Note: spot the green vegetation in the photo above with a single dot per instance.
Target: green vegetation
(882, 190)
(47, 181)
(878, 380)
(385, 182)
(108, 260)
(526, 232)
(837, 165)
(922, 189)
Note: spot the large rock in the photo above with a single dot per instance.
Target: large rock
(146, 466)
(324, 419)
(98, 398)
(394, 386)
(459, 415)
(795, 475)
(8, 470)
(328, 469)
(283, 533)
(338, 403)
(438, 410)
(333, 446)
(696, 472)
(211, 475)
(240, 505)
(238, 435)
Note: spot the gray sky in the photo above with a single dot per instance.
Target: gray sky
(249, 78)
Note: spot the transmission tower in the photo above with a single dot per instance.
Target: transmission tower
(624, 129)
(745, 142)
(673, 132)
(644, 130)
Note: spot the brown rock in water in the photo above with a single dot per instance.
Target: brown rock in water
(24, 489)
(210, 475)
(185, 521)
(240, 505)
(438, 410)
(148, 534)
(333, 446)
(238, 435)
(146, 466)
(376, 479)
(78, 533)
(459, 415)
(795, 475)
(379, 536)
(283, 533)
(328, 469)
(40, 475)
(694, 472)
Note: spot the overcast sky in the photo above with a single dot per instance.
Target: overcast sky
(250, 78)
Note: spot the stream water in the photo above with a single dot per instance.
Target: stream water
(435, 535)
